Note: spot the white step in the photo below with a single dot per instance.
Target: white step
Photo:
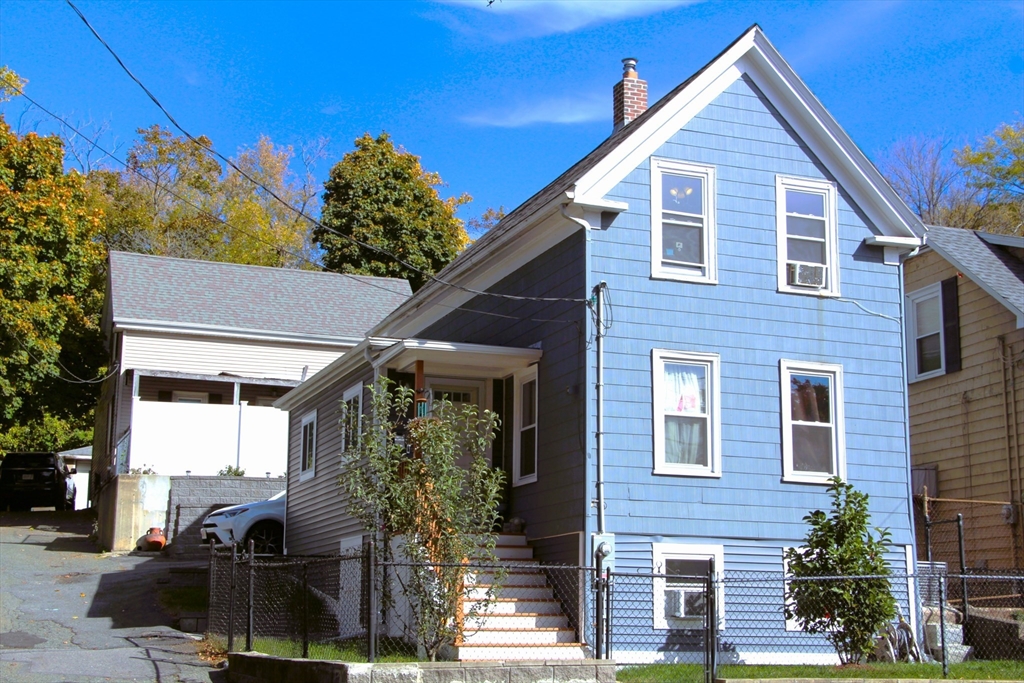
(513, 552)
(512, 578)
(476, 653)
(536, 636)
(513, 622)
(512, 606)
(484, 591)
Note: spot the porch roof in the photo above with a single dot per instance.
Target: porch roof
(457, 359)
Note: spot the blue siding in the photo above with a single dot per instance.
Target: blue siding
(554, 504)
(752, 326)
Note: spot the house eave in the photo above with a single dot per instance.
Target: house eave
(961, 266)
(333, 372)
(175, 328)
(457, 358)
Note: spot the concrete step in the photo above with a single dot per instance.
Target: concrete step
(520, 652)
(513, 622)
(534, 636)
(512, 606)
(513, 552)
(483, 591)
(512, 578)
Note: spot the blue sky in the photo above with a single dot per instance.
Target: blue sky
(499, 100)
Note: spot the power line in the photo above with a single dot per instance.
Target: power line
(301, 257)
(76, 379)
(229, 162)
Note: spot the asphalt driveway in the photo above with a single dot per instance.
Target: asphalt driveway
(70, 613)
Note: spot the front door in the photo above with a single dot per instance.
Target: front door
(459, 393)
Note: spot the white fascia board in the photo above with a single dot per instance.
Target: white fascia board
(331, 373)
(503, 257)
(959, 265)
(430, 346)
(124, 325)
(905, 243)
(754, 56)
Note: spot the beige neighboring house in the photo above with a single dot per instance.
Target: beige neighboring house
(200, 350)
(965, 346)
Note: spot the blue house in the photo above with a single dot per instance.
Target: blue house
(686, 334)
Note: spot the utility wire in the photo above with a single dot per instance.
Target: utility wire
(302, 257)
(299, 212)
(76, 379)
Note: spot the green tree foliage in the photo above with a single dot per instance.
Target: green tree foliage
(51, 268)
(848, 610)
(175, 200)
(426, 484)
(380, 195)
(978, 188)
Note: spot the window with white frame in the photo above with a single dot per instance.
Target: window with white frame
(933, 330)
(683, 243)
(352, 418)
(190, 397)
(307, 452)
(687, 434)
(813, 441)
(524, 450)
(680, 586)
(807, 236)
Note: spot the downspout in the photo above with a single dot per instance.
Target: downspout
(1008, 424)
(598, 293)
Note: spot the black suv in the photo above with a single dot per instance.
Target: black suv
(29, 480)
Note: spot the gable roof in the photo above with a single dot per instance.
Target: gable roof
(183, 295)
(586, 182)
(985, 259)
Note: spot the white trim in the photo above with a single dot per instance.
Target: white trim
(190, 397)
(193, 329)
(707, 271)
(835, 372)
(307, 472)
(912, 601)
(712, 362)
(353, 392)
(827, 190)
(520, 379)
(684, 551)
(913, 298)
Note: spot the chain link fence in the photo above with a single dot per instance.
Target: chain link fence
(320, 607)
(991, 538)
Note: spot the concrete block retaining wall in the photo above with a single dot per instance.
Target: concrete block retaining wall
(252, 667)
(192, 498)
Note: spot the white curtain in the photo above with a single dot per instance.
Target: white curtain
(685, 408)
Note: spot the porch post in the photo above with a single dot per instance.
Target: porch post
(421, 390)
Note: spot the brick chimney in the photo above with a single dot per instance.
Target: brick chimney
(629, 96)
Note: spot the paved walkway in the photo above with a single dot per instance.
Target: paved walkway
(69, 613)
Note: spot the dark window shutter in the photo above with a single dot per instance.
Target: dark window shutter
(216, 398)
(951, 325)
(164, 396)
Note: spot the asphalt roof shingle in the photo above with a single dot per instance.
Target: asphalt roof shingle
(248, 298)
(986, 262)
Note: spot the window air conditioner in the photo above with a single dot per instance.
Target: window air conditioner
(675, 603)
(684, 603)
(806, 275)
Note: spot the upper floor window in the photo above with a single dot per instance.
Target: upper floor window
(807, 236)
(351, 424)
(686, 414)
(307, 452)
(683, 244)
(933, 330)
(813, 440)
(524, 450)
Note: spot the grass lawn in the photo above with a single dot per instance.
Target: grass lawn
(389, 650)
(976, 670)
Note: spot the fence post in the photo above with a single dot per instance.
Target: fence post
(942, 625)
(305, 610)
(213, 585)
(371, 602)
(963, 561)
(599, 604)
(231, 600)
(608, 617)
(252, 572)
(711, 673)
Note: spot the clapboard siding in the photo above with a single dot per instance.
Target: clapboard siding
(213, 356)
(317, 517)
(751, 326)
(959, 421)
(554, 504)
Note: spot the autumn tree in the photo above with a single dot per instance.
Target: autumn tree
(380, 196)
(50, 295)
(996, 169)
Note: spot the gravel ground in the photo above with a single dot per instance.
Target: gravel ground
(71, 613)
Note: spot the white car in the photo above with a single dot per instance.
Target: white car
(261, 521)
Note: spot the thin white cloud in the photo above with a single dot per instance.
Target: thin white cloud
(846, 23)
(506, 20)
(559, 110)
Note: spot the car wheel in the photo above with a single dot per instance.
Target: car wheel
(267, 538)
